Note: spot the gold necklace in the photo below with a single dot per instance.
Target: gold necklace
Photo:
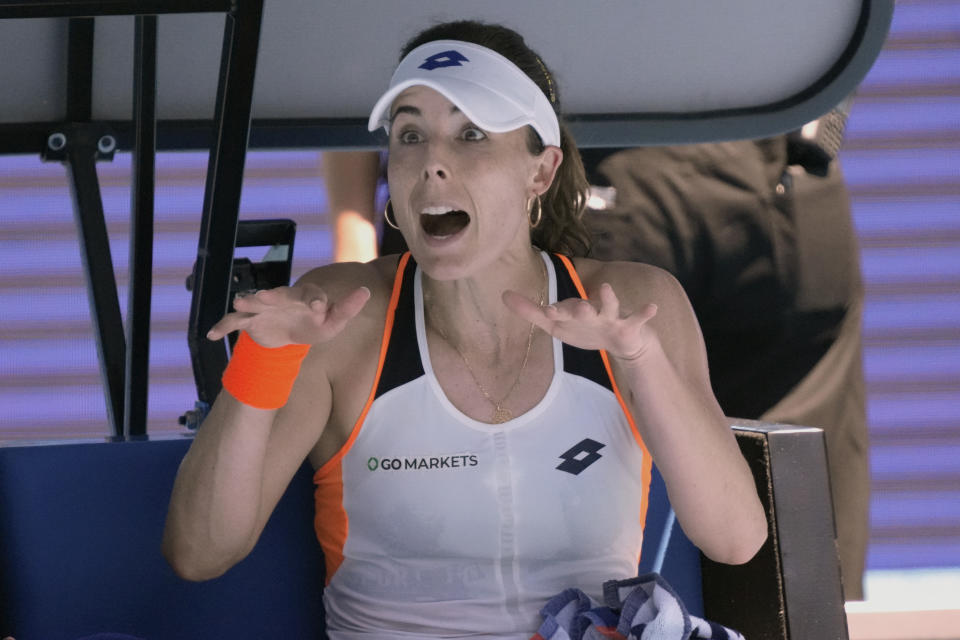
(500, 414)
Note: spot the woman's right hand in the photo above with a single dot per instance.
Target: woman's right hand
(301, 314)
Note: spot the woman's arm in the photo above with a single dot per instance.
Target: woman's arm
(236, 470)
(243, 457)
(667, 386)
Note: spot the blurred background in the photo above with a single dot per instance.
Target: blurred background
(901, 158)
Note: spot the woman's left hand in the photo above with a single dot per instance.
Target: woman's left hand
(597, 323)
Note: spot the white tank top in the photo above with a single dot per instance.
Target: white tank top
(435, 525)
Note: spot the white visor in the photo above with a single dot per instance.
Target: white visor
(489, 89)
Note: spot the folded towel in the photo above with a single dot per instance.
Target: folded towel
(642, 608)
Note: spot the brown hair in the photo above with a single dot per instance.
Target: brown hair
(561, 229)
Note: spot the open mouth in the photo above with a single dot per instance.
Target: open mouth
(441, 222)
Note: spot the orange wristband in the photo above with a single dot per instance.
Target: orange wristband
(260, 376)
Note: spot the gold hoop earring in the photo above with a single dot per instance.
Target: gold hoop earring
(386, 215)
(535, 219)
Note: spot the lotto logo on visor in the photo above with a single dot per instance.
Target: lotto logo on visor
(452, 58)
(487, 87)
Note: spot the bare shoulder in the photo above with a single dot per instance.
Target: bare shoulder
(633, 282)
(340, 278)
(336, 376)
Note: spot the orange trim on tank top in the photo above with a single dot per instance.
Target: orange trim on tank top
(330, 518)
(647, 469)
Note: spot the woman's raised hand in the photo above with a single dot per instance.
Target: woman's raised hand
(596, 323)
(301, 314)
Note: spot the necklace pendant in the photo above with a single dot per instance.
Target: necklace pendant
(501, 415)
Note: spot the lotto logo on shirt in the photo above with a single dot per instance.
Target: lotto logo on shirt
(423, 463)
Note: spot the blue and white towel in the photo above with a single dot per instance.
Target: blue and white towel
(643, 608)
